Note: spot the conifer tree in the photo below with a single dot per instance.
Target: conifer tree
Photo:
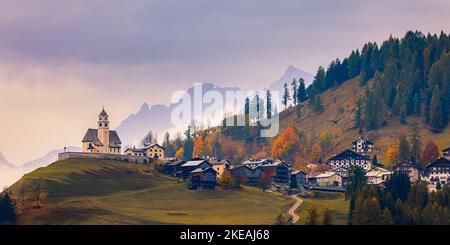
(286, 96)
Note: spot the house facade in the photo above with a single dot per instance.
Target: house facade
(154, 151)
(203, 178)
(378, 176)
(298, 177)
(438, 171)
(101, 139)
(220, 166)
(362, 146)
(350, 158)
(326, 179)
(410, 169)
(193, 164)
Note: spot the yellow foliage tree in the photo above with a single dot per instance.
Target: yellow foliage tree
(392, 153)
(180, 152)
(198, 148)
(316, 152)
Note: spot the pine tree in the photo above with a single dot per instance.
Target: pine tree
(268, 104)
(301, 94)
(294, 91)
(386, 217)
(168, 150)
(416, 144)
(188, 145)
(286, 96)
(8, 213)
(403, 149)
(317, 104)
(436, 110)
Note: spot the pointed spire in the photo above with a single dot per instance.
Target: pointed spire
(103, 113)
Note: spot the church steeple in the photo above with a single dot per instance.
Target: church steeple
(103, 121)
(103, 129)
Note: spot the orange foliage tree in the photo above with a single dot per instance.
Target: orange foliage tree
(180, 152)
(430, 153)
(286, 144)
(198, 148)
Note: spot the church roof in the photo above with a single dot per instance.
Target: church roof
(92, 136)
(103, 113)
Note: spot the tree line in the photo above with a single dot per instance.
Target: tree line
(399, 203)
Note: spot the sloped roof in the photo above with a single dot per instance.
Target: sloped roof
(152, 145)
(92, 136)
(297, 172)
(202, 170)
(447, 149)
(103, 113)
(349, 154)
(177, 162)
(407, 165)
(218, 162)
(326, 175)
(194, 163)
(440, 163)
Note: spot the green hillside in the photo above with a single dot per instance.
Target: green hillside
(87, 191)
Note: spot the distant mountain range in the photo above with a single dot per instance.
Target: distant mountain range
(4, 163)
(291, 73)
(157, 117)
(48, 158)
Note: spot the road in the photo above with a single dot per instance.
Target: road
(297, 204)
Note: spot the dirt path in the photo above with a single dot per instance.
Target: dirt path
(297, 204)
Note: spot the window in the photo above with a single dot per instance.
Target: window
(100, 124)
(106, 125)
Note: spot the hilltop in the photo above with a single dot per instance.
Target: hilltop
(91, 191)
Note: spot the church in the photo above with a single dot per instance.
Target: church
(101, 139)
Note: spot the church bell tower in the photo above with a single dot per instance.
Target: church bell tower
(103, 130)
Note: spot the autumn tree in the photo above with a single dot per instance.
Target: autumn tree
(37, 192)
(264, 181)
(430, 153)
(392, 153)
(198, 148)
(180, 153)
(286, 144)
(226, 180)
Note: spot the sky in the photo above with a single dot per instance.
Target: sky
(61, 61)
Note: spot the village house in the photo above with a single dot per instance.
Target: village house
(220, 166)
(298, 177)
(438, 171)
(101, 139)
(326, 179)
(241, 173)
(378, 176)
(193, 164)
(277, 171)
(154, 151)
(134, 152)
(203, 178)
(256, 162)
(409, 168)
(349, 158)
(362, 146)
(254, 176)
(173, 168)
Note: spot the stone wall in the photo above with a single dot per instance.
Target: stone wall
(104, 156)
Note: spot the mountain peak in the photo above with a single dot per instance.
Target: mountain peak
(144, 107)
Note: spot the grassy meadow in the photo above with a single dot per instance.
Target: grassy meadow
(88, 191)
